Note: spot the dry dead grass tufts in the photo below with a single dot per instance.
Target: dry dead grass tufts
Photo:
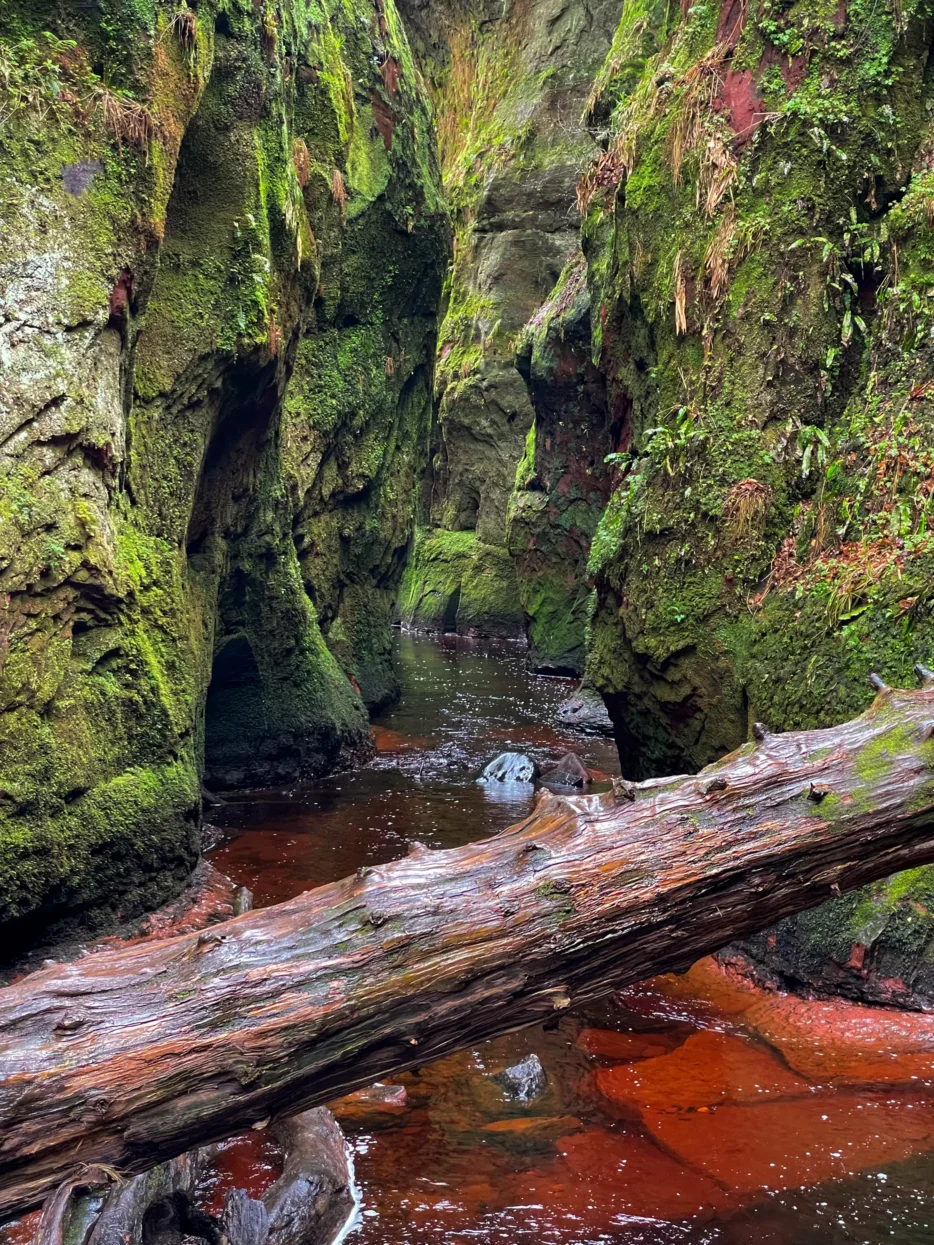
(746, 506)
(605, 173)
(697, 128)
(716, 173)
(698, 87)
(274, 337)
(339, 191)
(719, 252)
(681, 296)
(301, 161)
(128, 120)
(184, 26)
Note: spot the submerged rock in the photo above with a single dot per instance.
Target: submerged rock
(524, 1081)
(510, 767)
(570, 771)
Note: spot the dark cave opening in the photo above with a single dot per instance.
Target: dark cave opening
(234, 714)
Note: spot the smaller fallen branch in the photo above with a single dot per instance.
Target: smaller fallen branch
(310, 1204)
(313, 1199)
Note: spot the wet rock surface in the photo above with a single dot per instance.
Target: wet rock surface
(510, 767)
(569, 771)
(585, 712)
(513, 192)
(524, 1081)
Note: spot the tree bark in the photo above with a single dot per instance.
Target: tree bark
(131, 1056)
(157, 1208)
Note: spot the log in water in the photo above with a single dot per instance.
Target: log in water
(131, 1056)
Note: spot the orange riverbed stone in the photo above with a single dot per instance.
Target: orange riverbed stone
(706, 1070)
(555, 1124)
(371, 1105)
(828, 1041)
(783, 1145)
(624, 1046)
(841, 1043)
(708, 985)
(600, 1174)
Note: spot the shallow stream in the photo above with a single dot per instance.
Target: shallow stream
(693, 1109)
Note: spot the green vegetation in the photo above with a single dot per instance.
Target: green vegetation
(184, 209)
(453, 582)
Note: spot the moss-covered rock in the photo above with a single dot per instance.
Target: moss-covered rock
(740, 233)
(875, 945)
(562, 480)
(758, 247)
(509, 84)
(202, 211)
(453, 582)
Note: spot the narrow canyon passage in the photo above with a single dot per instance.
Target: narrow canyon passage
(602, 330)
(695, 1109)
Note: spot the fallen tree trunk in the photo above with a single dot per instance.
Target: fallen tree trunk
(131, 1056)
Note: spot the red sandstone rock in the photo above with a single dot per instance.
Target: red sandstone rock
(600, 1175)
(830, 1041)
(369, 1106)
(841, 1043)
(706, 1070)
(782, 1145)
(624, 1046)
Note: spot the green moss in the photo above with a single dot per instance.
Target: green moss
(188, 266)
(558, 895)
(739, 414)
(454, 582)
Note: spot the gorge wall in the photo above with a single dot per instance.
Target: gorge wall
(517, 479)
(759, 247)
(220, 267)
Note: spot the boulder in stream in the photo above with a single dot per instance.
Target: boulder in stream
(585, 712)
(510, 767)
(524, 1081)
(570, 771)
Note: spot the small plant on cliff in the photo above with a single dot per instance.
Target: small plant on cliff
(47, 74)
(814, 448)
(673, 446)
(36, 74)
